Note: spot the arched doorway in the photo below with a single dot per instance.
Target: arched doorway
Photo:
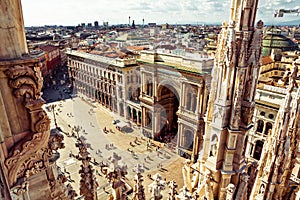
(168, 103)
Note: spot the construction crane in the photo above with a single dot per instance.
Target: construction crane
(280, 12)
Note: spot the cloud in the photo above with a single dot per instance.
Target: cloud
(68, 12)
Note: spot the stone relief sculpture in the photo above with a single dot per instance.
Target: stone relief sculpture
(26, 81)
(20, 192)
(24, 153)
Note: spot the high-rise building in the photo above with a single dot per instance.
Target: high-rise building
(96, 24)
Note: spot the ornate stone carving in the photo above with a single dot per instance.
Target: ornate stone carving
(56, 141)
(58, 189)
(18, 191)
(37, 167)
(24, 153)
(43, 123)
(39, 119)
(26, 81)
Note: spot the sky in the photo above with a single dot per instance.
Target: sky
(74, 12)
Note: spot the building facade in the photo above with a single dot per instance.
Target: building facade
(101, 79)
(164, 94)
(174, 95)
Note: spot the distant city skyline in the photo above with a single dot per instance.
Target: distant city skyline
(74, 12)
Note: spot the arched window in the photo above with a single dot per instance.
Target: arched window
(134, 113)
(260, 126)
(258, 149)
(268, 128)
(214, 145)
(120, 92)
(188, 101)
(129, 112)
(188, 140)
(149, 88)
(129, 93)
(194, 103)
(121, 109)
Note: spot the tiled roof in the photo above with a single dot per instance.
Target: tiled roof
(136, 48)
(266, 60)
(48, 48)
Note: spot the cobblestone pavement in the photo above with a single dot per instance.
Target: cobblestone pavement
(93, 118)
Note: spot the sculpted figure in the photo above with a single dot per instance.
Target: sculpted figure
(186, 172)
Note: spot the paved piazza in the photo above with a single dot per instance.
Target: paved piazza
(93, 118)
